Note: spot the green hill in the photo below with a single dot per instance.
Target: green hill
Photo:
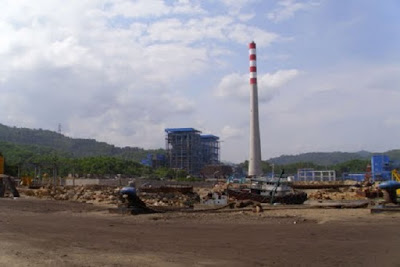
(37, 140)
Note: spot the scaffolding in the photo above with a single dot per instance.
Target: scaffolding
(210, 149)
(183, 147)
(187, 149)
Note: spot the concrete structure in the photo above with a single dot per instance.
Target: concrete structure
(312, 175)
(255, 143)
(187, 149)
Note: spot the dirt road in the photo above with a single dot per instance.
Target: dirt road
(53, 233)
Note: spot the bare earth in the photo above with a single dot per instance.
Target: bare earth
(54, 233)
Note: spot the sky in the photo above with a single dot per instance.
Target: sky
(121, 71)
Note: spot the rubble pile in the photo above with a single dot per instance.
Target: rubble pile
(324, 195)
(169, 199)
(350, 193)
(86, 194)
(203, 192)
(220, 187)
(108, 195)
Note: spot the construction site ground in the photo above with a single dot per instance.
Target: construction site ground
(35, 232)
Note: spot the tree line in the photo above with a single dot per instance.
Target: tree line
(34, 160)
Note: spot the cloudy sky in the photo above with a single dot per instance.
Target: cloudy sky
(121, 71)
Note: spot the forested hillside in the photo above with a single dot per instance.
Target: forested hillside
(45, 141)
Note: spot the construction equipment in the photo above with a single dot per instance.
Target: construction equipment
(129, 202)
(390, 188)
(396, 177)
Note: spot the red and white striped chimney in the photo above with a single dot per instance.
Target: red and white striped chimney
(253, 64)
(255, 143)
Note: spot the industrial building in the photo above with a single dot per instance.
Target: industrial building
(189, 150)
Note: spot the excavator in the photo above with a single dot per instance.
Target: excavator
(5, 181)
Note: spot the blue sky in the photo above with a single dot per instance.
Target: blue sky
(122, 71)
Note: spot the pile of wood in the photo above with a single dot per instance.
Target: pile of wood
(109, 195)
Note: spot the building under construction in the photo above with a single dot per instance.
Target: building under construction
(189, 150)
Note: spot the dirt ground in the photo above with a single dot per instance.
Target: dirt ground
(55, 233)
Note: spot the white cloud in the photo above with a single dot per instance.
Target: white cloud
(140, 8)
(229, 132)
(287, 8)
(237, 85)
(219, 28)
(235, 6)
(246, 17)
(151, 8)
(278, 78)
(242, 34)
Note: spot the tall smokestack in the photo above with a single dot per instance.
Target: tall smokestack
(255, 144)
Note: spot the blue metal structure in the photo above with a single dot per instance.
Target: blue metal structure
(381, 168)
(148, 161)
(359, 177)
(180, 130)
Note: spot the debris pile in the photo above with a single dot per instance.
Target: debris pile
(86, 194)
(108, 195)
(170, 199)
(346, 193)
(370, 191)
(337, 195)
